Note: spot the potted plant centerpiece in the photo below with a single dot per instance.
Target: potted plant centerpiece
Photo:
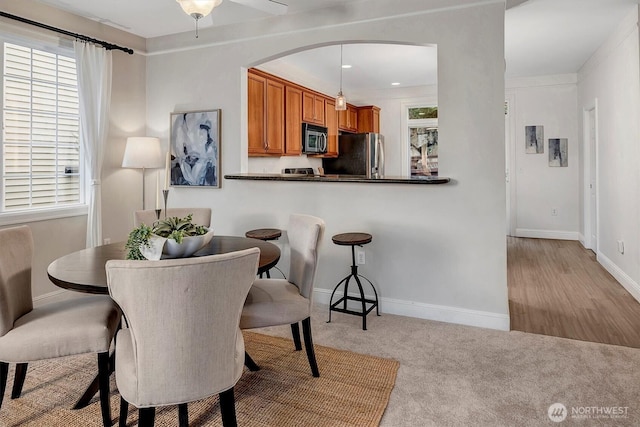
(172, 237)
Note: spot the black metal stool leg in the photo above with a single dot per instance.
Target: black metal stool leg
(332, 294)
(364, 306)
(374, 293)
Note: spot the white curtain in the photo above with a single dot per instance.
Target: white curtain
(94, 92)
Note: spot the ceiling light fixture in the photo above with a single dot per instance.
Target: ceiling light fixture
(198, 9)
(395, 84)
(346, 66)
(341, 101)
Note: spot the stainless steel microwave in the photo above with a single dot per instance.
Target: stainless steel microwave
(314, 139)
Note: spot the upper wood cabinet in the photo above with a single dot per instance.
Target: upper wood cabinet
(266, 115)
(293, 116)
(331, 119)
(348, 119)
(313, 109)
(277, 108)
(369, 119)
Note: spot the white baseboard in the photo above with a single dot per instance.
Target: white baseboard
(582, 240)
(547, 234)
(55, 296)
(627, 282)
(440, 313)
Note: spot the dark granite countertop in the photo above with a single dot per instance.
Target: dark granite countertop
(339, 178)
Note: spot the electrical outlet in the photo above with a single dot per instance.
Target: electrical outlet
(554, 211)
(361, 258)
(621, 246)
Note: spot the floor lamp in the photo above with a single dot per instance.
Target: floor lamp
(142, 152)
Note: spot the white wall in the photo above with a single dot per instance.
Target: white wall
(438, 251)
(121, 188)
(612, 76)
(551, 102)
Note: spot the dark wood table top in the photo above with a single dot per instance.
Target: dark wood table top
(84, 270)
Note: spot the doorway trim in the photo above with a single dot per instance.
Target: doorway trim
(591, 218)
(510, 164)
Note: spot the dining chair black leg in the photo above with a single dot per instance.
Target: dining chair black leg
(249, 363)
(124, 411)
(146, 417)
(295, 331)
(4, 372)
(228, 408)
(308, 344)
(18, 382)
(103, 383)
(183, 415)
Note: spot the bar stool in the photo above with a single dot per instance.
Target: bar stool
(353, 240)
(265, 234)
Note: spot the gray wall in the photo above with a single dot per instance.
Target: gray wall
(438, 251)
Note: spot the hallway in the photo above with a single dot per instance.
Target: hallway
(556, 287)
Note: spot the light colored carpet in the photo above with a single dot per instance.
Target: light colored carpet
(453, 375)
(282, 393)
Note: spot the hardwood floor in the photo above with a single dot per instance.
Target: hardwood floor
(556, 287)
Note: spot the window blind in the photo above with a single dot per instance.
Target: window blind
(41, 128)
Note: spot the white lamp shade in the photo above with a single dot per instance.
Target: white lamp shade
(198, 8)
(142, 152)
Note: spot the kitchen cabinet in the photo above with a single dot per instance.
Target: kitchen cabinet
(266, 115)
(369, 119)
(313, 108)
(293, 116)
(331, 120)
(348, 119)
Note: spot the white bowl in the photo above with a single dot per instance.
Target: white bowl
(189, 246)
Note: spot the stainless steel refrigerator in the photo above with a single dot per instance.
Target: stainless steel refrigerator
(358, 154)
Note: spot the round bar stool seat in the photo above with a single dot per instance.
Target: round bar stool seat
(265, 234)
(348, 239)
(353, 239)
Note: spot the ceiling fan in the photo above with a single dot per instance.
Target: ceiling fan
(198, 9)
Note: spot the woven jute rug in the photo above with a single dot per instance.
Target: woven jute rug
(353, 390)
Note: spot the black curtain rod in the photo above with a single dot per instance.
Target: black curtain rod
(106, 45)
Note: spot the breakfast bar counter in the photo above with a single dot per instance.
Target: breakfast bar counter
(339, 178)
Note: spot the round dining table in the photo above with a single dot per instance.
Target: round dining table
(84, 270)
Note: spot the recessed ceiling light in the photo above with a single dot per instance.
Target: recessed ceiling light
(395, 84)
(346, 66)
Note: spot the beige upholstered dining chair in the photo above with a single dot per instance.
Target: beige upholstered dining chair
(182, 342)
(28, 334)
(201, 216)
(274, 302)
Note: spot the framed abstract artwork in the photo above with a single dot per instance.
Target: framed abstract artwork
(194, 144)
(559, 152)
(534, 139)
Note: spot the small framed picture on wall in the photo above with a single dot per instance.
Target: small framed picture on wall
(194, 144)
(534, 139)
(559, 152)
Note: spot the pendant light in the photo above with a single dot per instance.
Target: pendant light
(198, 9)
(341, 101)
